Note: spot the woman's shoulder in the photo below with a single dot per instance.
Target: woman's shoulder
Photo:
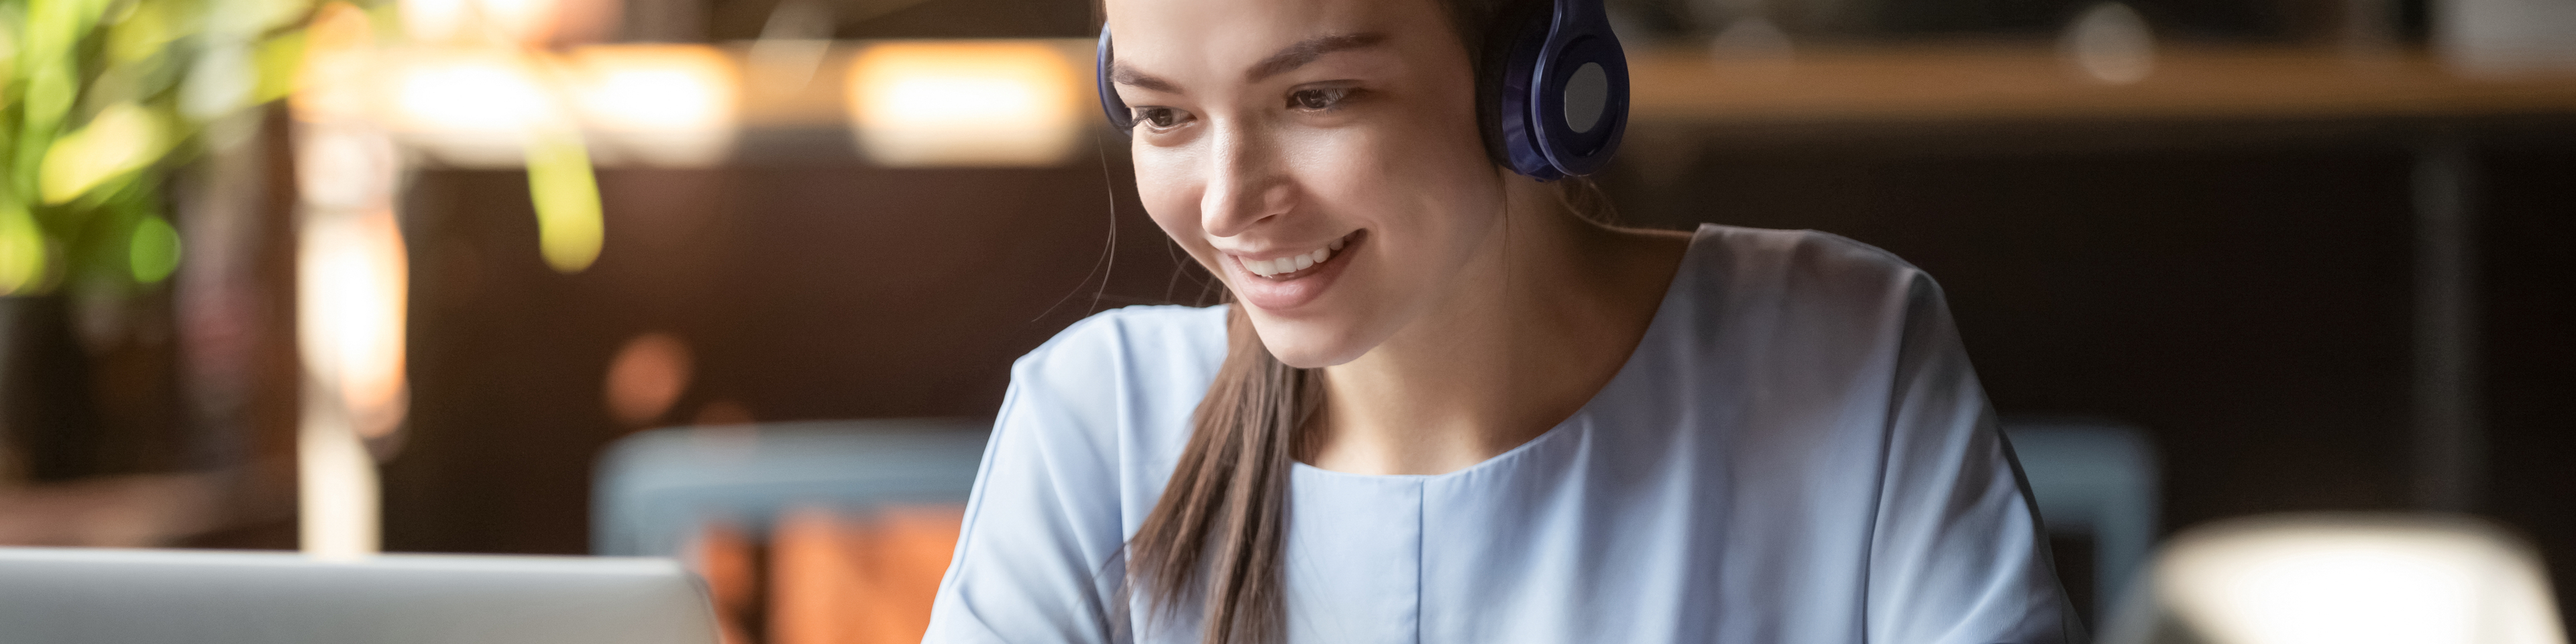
(1798, 250)
(1129, 376)
(1802, 269)
(1136, 345)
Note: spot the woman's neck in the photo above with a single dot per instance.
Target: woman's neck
(1500, 361)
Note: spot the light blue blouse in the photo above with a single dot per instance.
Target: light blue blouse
(1798, 452)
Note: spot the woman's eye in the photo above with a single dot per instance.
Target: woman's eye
(1159, 117)
(1318, 99)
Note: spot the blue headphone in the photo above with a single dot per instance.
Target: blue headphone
(1563, 93)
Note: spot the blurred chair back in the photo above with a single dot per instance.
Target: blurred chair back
(656, 489)
(2343, 578)
(2097, 480)
(806, 533)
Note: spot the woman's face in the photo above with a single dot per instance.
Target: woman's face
(1320, 156)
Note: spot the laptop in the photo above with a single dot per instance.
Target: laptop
(129, 596)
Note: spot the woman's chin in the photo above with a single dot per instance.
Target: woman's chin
(1302, 362)
(1298, 344)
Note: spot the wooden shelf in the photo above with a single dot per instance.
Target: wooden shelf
(1961, 82)
(1897, 85)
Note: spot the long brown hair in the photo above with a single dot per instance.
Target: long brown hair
(1222, 523)
(1217, 537)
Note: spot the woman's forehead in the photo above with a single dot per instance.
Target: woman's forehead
(1202, 37)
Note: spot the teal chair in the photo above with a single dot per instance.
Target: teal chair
(654, 489)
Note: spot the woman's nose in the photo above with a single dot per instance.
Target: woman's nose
(1246, 183)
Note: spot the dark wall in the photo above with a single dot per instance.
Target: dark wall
(2530, 325)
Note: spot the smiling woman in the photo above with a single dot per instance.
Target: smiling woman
(1449, 404)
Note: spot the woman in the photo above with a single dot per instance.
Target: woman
(1446, 406)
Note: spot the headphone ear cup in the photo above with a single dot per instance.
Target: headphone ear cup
(1579, 109)
(1564, 100)
(1562, 97)
(1120, 116)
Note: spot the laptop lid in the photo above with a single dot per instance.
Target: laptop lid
(127, 596)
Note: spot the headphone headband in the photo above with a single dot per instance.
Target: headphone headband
(1119, 116)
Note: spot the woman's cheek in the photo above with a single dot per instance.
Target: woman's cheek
(1167, 190)
(1343, 169)
(1171, 197)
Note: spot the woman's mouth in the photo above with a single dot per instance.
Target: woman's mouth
(1292, 266)
(1278, 284)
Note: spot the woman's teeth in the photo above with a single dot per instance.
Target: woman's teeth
(1290, 264)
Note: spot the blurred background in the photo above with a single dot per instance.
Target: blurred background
(427, 275)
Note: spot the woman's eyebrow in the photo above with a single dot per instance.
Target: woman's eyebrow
(1121, 74)
(1289, 58)
(1306, 51)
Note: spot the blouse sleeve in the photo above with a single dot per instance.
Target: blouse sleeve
(1037, 555)
(1957, 555)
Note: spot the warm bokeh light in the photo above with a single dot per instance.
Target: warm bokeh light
(668, 105)
(2358, 580)
(433, 21)
(337, 492)
(662, 105)
(340, 68)
(646, 377)
(996, 103)
(518, 20)
(353, 278)
(470, 107)
(352, 267)
(504, 21)
(345, 166)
